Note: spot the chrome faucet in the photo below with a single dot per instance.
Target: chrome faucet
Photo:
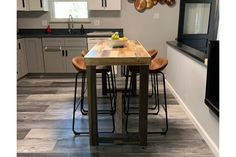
(70, 24)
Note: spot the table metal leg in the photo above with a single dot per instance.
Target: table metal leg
(92, 105)
(143, 104)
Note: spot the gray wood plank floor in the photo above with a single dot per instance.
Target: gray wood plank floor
(44, 120)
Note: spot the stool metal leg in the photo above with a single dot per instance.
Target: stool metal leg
(75, 108)
(164, 130)
(156, 91)
(111, 101)
(157, 99)
(151, 85)
(81, 103)
(83, 111)
(165, 105)
(128, 102)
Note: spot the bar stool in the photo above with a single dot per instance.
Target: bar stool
(134, 70)
(155, 68)
(79, 64)
(153, 53)
(103, 70)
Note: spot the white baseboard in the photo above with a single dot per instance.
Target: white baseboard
(200, 129)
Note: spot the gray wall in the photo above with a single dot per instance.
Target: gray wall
(188, 78)
(152, 33)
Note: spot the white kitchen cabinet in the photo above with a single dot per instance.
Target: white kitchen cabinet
(22, 69)
(104, 4)
(32, 5)
(58, 53)
(34, 54)
(38, 5)
(22, 5)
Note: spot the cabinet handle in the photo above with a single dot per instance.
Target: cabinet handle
(23, 3)
(50, 49)
(19, 46)
(63, 53)
(41, 3)
(102, 3)
(105, 3)
(66, 53)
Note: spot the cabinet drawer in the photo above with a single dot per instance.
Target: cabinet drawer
(75, 42)
(53, 42)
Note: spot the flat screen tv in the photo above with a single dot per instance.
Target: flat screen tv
(212, 83)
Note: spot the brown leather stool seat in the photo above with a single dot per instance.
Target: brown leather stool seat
(80, 66)
(153, 53)
(84, 52)
(157, 64)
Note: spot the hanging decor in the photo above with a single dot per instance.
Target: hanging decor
(142, 5)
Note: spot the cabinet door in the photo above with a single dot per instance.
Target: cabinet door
(71, 53)
(23, 60)
(22, 69)
(22, 5)
(104, 4)
(19, 74)
(112, 4)
(38, 5)
(54, 59)
(95, 5)
(34, 54)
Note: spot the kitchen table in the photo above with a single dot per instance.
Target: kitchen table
(132, 53)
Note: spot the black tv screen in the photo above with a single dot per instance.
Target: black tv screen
(212, 84)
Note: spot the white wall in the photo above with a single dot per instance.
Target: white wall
(187, 77)
(152, 33)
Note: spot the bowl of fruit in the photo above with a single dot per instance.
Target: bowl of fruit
(116, 41)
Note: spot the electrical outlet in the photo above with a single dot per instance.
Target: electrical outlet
(96, 22)
(44, 23)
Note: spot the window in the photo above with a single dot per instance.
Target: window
(196, 18)
(61, 9)
(198, 23)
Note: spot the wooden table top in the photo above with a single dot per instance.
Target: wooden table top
(133, 53)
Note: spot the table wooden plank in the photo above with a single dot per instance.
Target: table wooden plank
(119, 115)
(92, 107)
(143, 104)
(133, 53)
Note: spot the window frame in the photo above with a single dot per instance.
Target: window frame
(194, 40)
(52, 13)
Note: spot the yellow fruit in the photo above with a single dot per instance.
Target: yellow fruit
(115, 36)
(123, 38)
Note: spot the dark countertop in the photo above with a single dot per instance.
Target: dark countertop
(185, 49)
(34, 33)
